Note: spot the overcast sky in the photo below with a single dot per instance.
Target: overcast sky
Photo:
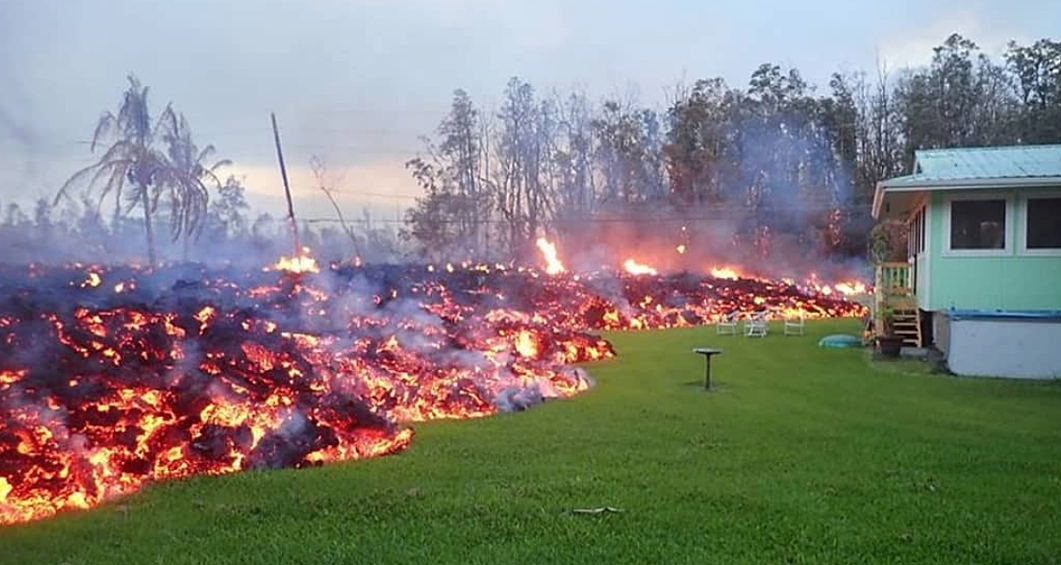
(357, 81)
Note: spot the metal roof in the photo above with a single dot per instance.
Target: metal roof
(920, 182)
(977, 167)
(1016, 161)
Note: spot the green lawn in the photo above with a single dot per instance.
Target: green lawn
(802, 455)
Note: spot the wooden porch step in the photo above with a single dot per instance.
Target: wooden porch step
(895, 294)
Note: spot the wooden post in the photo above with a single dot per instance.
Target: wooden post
(878, 299)
(287, 188)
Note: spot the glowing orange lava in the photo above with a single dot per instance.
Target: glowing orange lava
(851, 288)
(104, 389)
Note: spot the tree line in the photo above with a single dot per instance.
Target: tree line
(774, 159)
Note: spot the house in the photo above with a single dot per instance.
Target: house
(982, 280)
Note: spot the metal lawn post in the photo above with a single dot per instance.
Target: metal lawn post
(707, 352)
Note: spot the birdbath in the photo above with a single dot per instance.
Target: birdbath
(708, 353)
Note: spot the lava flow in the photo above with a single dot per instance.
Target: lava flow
(111, 377)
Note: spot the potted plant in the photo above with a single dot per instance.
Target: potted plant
(888, 343)
(880, 246)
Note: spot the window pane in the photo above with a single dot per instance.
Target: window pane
(1044, 223)
(978, 224)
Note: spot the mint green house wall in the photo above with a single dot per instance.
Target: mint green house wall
(1014, 281)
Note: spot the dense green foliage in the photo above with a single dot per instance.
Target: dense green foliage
(802, 455)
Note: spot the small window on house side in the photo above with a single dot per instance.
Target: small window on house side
(921, 231)
(1044, 223)
(978, 224)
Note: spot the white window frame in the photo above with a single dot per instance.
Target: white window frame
(1006, 251)
(1023, 249)
(922, 252)
(921, 206)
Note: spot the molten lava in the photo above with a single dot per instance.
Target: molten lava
(185, 370)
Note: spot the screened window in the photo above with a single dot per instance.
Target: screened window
(978, 224)
(1044, 223)
(916, 235)
(921, 230)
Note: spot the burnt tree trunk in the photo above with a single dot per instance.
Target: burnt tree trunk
(148, 228)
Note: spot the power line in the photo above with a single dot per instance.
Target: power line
(500, 221)
(373, 194)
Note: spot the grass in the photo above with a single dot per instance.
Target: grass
(802, 455)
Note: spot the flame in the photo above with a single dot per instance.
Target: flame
(850, 288)
(728, 273)
(553, 266)
(304, 263)
(92, 280)
(634, 268)
(680, 249)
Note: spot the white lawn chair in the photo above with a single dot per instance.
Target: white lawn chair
(727, 324)
(795, 325)
(757, 325)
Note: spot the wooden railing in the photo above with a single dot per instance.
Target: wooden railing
(893, 289)
(894, 279)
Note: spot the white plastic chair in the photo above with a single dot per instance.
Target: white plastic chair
(795, 325)
(757, 325)
(727, 324)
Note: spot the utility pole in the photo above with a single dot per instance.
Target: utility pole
(287, 188)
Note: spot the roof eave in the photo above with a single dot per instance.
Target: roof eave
(905, 184)
(910, 184)
(878, 199)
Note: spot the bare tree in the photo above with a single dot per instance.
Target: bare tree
(319, 167)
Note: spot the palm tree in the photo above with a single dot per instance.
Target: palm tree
(131, 159)
(188, 177)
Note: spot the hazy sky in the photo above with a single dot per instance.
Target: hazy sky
(357, 81)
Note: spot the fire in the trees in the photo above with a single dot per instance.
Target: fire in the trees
(111, 377)
(553, 266)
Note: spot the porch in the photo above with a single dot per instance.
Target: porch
(894, 290)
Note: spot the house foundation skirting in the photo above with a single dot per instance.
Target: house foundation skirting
(1025, 345)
